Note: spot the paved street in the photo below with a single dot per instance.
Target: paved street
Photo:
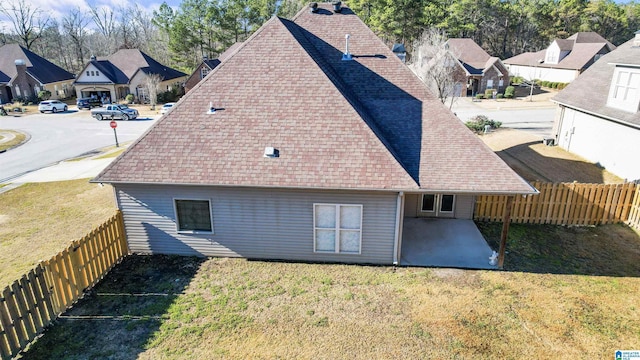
(56, 137)
(535, 120)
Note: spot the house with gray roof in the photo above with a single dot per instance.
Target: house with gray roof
(23, 74)
(322, 151)
(563, 60)
(598, 113)
(481, 70)
(206, 66)
(122, 73)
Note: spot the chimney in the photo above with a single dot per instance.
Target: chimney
(205, 57)
(21, 81)
(636, 40)
(347, 55)
(337, 6)
(314, 7)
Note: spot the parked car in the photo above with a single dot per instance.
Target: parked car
(52, 105)
(88, 103)
(114, 111)
(166, 107)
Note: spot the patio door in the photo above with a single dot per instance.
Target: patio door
(437, 205)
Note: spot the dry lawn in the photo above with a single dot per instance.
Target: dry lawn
(534, 161)
(17, 140)
(187, 308)
(40, 219)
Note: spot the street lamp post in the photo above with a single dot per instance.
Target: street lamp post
(533, 80)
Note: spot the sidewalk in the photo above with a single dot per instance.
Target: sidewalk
(64, 170)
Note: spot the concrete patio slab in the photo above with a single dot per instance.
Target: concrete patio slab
(453, 243)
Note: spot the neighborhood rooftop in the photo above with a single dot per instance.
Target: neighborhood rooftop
(581, 94)
(366, 123)
(40, 69)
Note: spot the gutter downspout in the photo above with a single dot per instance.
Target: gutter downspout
(398, 236)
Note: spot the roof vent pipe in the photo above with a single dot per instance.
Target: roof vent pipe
(314, 7)
(93, 58)
(212, 109)
(347, 54)
(337, 6)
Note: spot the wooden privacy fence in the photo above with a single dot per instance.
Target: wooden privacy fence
(31, 303)
(567, 204)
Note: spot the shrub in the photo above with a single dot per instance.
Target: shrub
(478, 122)
(562, 86)
(44, 94)
(517, 80)
(488, 93)
(509, 92)
(554, 85)
(129, 98)
(172, 95)
(500, 96)
(479, 96)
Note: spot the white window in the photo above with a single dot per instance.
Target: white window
(204, 71)
(193, 216)
(489, 84)
(438, 203)
(624, 93)
(337, 228)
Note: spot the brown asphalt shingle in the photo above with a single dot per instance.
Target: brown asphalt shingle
(368, 123)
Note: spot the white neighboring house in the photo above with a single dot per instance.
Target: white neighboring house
(563, 60)
(598, 115)
(123, 73)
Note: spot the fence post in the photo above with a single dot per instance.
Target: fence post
(505, 231)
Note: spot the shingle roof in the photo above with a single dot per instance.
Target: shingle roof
(110, 71)
(584, 95)
(4, 78)
(129, 61)
(368, 123)
(583, 46)
(41, 69)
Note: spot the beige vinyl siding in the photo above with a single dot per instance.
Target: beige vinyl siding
(464, 206)
(253, 223)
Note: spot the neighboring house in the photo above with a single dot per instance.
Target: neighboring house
(23, 74)
(563, 60)
(122, 73)
(312, 153)
(481, 70)
(206, 66)
(598, 115)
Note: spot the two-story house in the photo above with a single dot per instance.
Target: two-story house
(598, 116)
(563, 60)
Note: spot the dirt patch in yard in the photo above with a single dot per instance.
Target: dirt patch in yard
(534, 161)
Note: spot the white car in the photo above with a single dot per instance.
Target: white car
(52, 105)
(166, 107)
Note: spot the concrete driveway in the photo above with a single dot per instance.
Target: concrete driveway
(60, 136)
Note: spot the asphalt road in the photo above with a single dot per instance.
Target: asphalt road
(60, 136)
(538, 121)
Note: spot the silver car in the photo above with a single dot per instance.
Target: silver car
(52, 105)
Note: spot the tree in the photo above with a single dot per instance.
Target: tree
(435, 65)
(152, 83)
(74, 26)
(28, 22)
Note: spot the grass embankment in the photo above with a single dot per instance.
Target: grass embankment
(162, 307)
(40, 219)
(17, 139)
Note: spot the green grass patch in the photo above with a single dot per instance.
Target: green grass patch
(185, 307)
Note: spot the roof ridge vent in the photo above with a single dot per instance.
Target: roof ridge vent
(337, 6)
(271, 152)
(347, 55)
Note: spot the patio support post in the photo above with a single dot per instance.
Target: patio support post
(505, 231)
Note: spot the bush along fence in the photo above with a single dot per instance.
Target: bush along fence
(567, 204)
(31, 303)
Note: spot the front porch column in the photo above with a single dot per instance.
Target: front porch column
(505, 231)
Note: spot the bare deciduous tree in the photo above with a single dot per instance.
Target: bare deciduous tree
(436, 65)
(28, 21)
(74, 25)
(152, 83)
